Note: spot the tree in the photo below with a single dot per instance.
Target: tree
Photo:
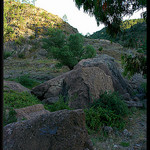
(69, 51)
(65, 18)
(111, 12)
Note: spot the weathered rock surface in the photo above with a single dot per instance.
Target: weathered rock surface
(11, 85)
(110, 67)
(49, 89)
(60, 130)
(30, 112)
(81, 85)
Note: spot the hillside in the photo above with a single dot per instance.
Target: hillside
(27, 20)
(133, 34)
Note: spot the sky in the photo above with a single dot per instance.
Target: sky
(76, 18)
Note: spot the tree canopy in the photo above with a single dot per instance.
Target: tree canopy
(111, 12)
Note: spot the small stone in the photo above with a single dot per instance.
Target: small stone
(126, 96)
(115, 146)
(126, 132)
(108, 129)
(136, 99)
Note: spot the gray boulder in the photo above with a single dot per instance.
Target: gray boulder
(84, 85)
(81, 85)
(110, 67)
(60, 130)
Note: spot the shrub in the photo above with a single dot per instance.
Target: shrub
(113, 102)
(68, 51)
(100, 49)
(20, 40)
(134, 64)
(109, 110)
(59, 105)
(7, 54)
(9, 117)
(26, 81)
(19, 99)
(21, 55)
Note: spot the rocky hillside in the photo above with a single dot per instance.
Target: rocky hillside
(133, 34)
(27, 20)
(25, 25)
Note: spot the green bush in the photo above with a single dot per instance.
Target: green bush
(69, 51)
(134, 64)
(19, 99)
(113, 102)
(100, 49)
(59, 105)
(109, 110)
(9, 117)
(26, 81)
(20, 40)
(7, 54)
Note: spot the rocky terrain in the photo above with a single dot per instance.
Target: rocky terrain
(65, 129)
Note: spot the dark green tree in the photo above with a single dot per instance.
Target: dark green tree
(69, 51)
(111, 12)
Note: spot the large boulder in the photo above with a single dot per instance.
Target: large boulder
(110, 67)
(81, 85)
(50, 89)
(60, 130)
(11, 85)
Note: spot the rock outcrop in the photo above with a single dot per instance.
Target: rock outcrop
(110, 67)
(11, 85)
(81, 86)
(60, 130)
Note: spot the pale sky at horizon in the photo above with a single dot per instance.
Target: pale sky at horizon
(76, 18)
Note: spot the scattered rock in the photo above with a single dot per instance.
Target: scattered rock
(11, 85)
(126, 133)
(126, 96)
(108, 129)
(134, 104)
(51, 100)
(136, 99)
(58, 130)
(30, 112)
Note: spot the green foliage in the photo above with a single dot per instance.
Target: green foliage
(109, 110)
(125, 144)
(7, 54)
(59, 105)
(26, 81)
(20, 40)
(14, 100)
(110, 12)
(134, 64)
(21, 55)
(133, 34)
(10, 117)
(19, 99)
(100, 49)
(113, 102)
(69, 51)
